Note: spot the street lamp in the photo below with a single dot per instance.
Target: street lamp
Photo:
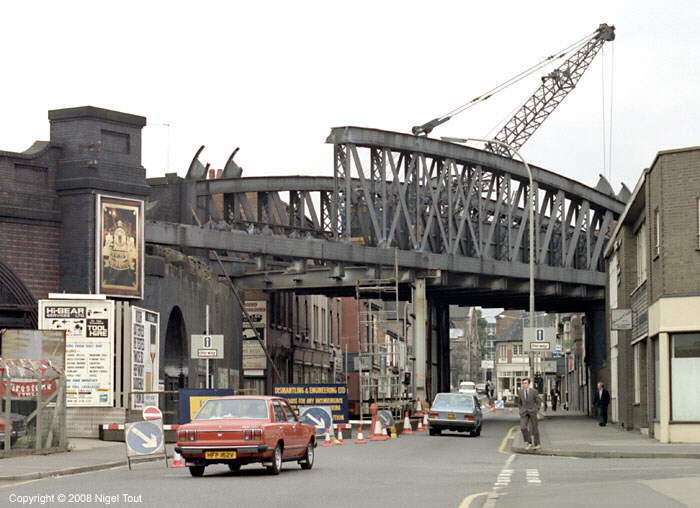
(531, 218)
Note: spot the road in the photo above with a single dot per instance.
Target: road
(452, 470)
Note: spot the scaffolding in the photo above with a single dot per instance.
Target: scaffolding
(383, 383)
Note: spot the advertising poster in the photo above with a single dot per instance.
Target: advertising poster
(254, 358)
(119, 247)
(332, 396)
(145, 345)
(89, 327)
(47, 345)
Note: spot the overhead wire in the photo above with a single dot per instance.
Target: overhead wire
(612, 96)
(603, 111)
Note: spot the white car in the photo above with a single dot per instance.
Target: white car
(467, 387)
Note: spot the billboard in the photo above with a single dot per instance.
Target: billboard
(145, 346)
(254, 358)
(332, 396)
(119, 250)
(89, 366)
(35, 345)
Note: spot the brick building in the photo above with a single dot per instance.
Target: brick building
(653, 261)
(50, 243)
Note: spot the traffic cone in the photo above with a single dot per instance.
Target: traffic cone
(328, 441)
(177, 460)
(407, 425)
(419, 408)
(420, 426)
(385, 434)
(360, 438)
(377, 434)
(338, 440)
(425, 421)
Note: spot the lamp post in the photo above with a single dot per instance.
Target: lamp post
(531, 220)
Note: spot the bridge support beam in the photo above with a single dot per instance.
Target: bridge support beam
(420, 303)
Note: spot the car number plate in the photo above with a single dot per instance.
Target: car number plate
(451, 416)
(220, 455)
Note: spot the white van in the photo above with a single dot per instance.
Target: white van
(467, 387)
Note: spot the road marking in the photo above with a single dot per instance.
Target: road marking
(533, 476)
(509, 435)
(467, 501)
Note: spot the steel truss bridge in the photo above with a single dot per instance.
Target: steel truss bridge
(453, 215)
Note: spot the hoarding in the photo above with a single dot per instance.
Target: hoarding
(333, 396)
(89, 365)
(36, 345)
(145, 348)
(119, 247)
(254, 358)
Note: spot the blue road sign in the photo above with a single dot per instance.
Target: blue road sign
(144, 438)
(318, 417)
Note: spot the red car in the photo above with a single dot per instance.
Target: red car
(241, 430)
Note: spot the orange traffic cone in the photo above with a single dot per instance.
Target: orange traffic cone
(407, 425)
(360, 438)
(177, 460)
(420, 426)
(385, 434)
(339, 438)
(328, 441)
(377, 434)
(419, 408)
(425, 421)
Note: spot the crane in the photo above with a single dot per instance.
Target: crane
(556, 85)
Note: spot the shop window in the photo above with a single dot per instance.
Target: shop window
(685, 377)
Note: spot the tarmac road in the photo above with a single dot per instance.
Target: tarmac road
(451, 470)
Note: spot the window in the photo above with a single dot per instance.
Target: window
(657, 233)
(637, 389)
(685, 377)
(641, 238)
(518, 349)
(291, 417)
(279, 412)
(502, 353)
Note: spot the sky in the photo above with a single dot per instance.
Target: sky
(273, 77)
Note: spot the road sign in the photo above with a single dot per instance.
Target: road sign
(318, 417)
(386, 418)
(151, 413)
(620, 319)
(539, 339)
(548, 366)
(144, 438)
(207, 346)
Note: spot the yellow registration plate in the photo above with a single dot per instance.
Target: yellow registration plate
(219, 455)
(451, 416)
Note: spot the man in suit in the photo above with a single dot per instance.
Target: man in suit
(601, 401)
(529, 403)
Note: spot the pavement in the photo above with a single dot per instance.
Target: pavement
(84, 455)
(573, 434)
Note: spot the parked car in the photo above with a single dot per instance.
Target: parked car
(467, 387)
(481, 388)
(18, 428)
(240, 430)
(455, 411)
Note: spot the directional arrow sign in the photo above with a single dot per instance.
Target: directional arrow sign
(318, 417)
(144, 438)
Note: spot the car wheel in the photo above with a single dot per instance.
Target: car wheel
(234, 467)
(308, 461)
(276, 467)
(197, 471)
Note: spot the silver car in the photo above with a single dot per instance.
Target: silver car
(455, 411)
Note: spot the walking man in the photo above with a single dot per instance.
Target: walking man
(554, 393)
(529, 404)
(601, 401)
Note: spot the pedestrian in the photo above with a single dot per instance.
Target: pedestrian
(601, 401)
(554, 393)
(529, 404)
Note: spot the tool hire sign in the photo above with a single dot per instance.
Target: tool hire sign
(89, 326)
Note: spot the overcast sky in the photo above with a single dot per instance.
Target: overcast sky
(274, 77)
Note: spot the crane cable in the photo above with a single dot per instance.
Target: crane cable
(608, 122)
(518, 77)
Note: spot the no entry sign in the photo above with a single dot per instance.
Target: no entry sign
(151, 413)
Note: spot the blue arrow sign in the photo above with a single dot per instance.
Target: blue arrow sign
(317, 417)
(144, 438)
